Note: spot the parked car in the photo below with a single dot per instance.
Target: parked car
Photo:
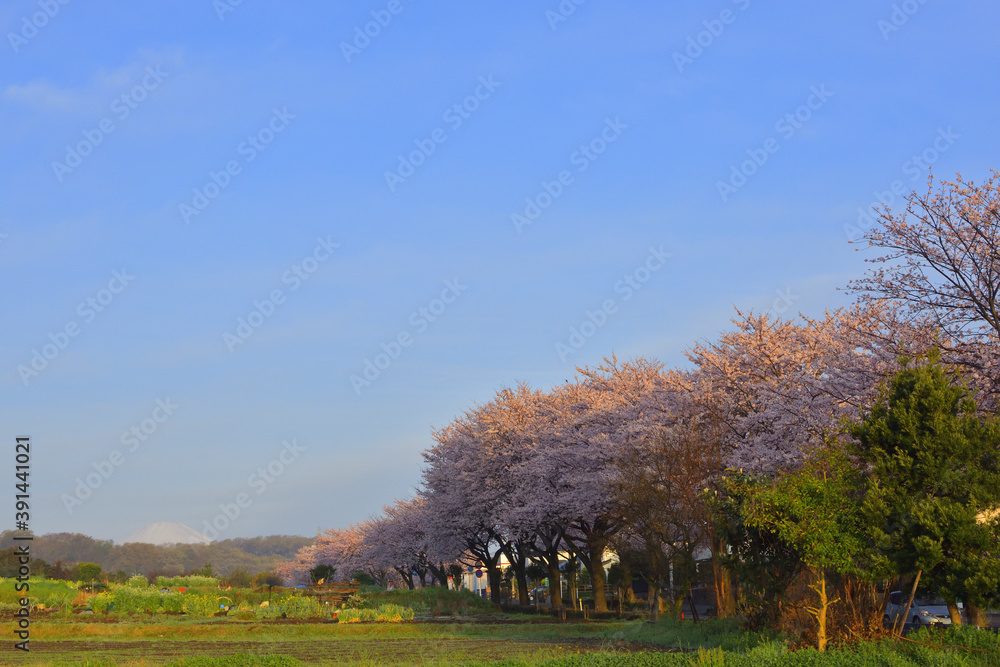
(539, 592)
(922, 612)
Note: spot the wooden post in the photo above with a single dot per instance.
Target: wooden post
(906, 610)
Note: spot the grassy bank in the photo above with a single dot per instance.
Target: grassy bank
(474, 635)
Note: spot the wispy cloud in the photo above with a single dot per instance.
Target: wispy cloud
(94, 95)
(43, 95)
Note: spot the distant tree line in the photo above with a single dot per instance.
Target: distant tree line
(59, 555)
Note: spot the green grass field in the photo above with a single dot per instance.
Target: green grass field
(449, 629)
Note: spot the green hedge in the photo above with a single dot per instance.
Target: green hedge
(192, 581)
(389, 613)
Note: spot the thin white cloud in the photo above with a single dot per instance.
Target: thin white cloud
(43, 95)
(95, 95)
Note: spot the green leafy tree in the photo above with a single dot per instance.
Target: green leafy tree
(269, 579)
(764, 565)
(322, 572)
(934, 485)
(8, 562)
(238, 578)
(364, 578)
(89, 571)
(40, 567)
(455, 572)
(816, 511)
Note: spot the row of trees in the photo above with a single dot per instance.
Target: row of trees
(57, 554)
(843, 452)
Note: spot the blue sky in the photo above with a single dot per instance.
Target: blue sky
(114, 118)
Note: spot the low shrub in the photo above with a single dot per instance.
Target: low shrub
(302, 607)
(131, 599)
(101, 602)
(389, 613)
(173, 602)
(50, 592)
(424, 601)
(201, 605)
(191, 581)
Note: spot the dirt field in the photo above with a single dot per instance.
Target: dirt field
(386, 651)
(314, 643)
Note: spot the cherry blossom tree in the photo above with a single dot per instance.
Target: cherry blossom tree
(783, 387)
(531, 525)
(605, 414)
(405, 540)
(342, 549)
(942, 258)
(662, 486)
(939, 270)
(462, 502)
(296, 571)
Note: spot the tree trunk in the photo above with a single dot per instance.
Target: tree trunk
(407, 577)
(589, 546)
(954, 613)
(597, 578)
(522, 588)
(555, 582)
(682, 580)
(493, 576)
(654, 602)
(571, 588)
(820, 612)
(724, 603)
(439, 574)
(480, 550)
(593, 559)
(516, 554)
(629, 594)
(975, 615)
(676, 607)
